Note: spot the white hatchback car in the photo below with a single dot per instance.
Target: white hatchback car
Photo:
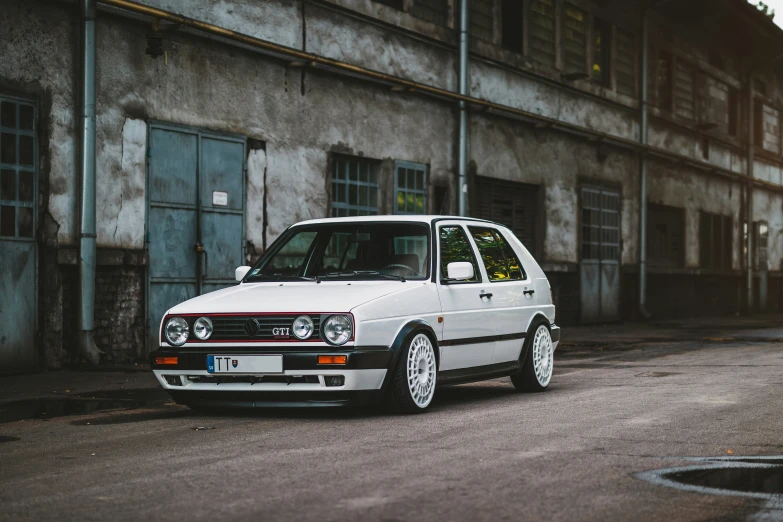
(352, 310)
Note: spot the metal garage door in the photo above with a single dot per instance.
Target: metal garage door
(196, 216)
(512, 204)
(18, 252)
(600, 260)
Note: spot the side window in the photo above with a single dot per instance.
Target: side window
(499, 259)
(455, 247)
(515, 268)
(491, 254)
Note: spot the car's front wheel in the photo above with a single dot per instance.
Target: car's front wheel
(539, 361)
(413, 384)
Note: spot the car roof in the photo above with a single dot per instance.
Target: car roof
(395, 218)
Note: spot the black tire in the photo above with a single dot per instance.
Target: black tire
(526, 380)
(400, 398)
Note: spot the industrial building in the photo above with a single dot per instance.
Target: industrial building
(650, 191)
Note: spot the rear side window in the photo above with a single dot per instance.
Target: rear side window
(499, 259)
(455, 247)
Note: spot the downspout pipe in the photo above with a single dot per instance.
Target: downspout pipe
(86, 326)
(749, 197)
(643, 138)
(463, 109)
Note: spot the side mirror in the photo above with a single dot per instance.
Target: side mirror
(460, 271)
(241, 272)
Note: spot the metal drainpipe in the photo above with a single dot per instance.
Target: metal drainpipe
(749, 196)
(87, 347)
(643, 102)
(463, 109)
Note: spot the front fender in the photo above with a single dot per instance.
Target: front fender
(404, 336)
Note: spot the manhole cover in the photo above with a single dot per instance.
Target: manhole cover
(757, 477)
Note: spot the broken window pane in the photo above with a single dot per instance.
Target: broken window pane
(26, 117)
(8, 185)
(8, 114)
(7, 148)
(7, 221)
(602, 48)
(25, 222)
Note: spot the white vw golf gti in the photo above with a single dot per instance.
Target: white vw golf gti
(355, 310)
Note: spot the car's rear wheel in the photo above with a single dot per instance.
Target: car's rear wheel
(413, 383)
(538, 364)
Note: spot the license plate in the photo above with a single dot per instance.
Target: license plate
(245, 363)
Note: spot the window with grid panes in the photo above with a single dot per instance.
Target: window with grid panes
(410, 188)
(354, 187)
(625, 63)
(17, 169)
(542, 31)
(683, 90)
(435, 11)
(574, 40)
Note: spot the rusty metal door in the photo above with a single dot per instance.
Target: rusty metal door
(18, 220)
(195, 216)
(600, 257)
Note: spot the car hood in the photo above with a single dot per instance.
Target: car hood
(331, 296)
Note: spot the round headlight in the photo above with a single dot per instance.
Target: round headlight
(303, 327)
(202, 328)
(176, 331)
(338, 329)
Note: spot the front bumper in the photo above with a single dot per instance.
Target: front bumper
(303, 381)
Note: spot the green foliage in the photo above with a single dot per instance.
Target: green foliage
(764, 8)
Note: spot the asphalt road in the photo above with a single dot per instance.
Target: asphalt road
(484, 452)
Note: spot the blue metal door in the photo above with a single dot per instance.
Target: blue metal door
(18, 220)
(195, 225)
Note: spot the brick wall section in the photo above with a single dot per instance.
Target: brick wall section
(119, 303)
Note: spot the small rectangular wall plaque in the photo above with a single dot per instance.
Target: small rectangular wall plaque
(219, 198)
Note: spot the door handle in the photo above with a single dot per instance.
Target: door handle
(488, 295)
(528, 292)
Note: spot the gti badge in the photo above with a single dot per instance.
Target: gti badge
(234, 363)
(281, 332)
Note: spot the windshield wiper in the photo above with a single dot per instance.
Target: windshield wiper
(349, 273)
(279, 277)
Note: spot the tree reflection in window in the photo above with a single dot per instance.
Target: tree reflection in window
(454, 247)
(491, 254)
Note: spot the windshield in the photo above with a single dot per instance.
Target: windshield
(368, 251)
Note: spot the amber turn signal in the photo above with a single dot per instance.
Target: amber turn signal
(332, 359)
(166, 360)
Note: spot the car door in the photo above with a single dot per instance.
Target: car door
(467, 329)
(513, 301)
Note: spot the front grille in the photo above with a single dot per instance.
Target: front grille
(259, 328)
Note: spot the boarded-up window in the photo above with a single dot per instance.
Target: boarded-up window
(663, 81)
(435, 11)
(511, 204)
(767, 123)
(665, 236)
(715, 238)
(602, 52)
(574, 40)
(480, 19)
(512, 23)
(683, 90)
(625, 63)
(542, 31)
(716, 104)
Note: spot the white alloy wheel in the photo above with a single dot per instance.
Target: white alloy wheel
(421, 371)
(542, 355)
